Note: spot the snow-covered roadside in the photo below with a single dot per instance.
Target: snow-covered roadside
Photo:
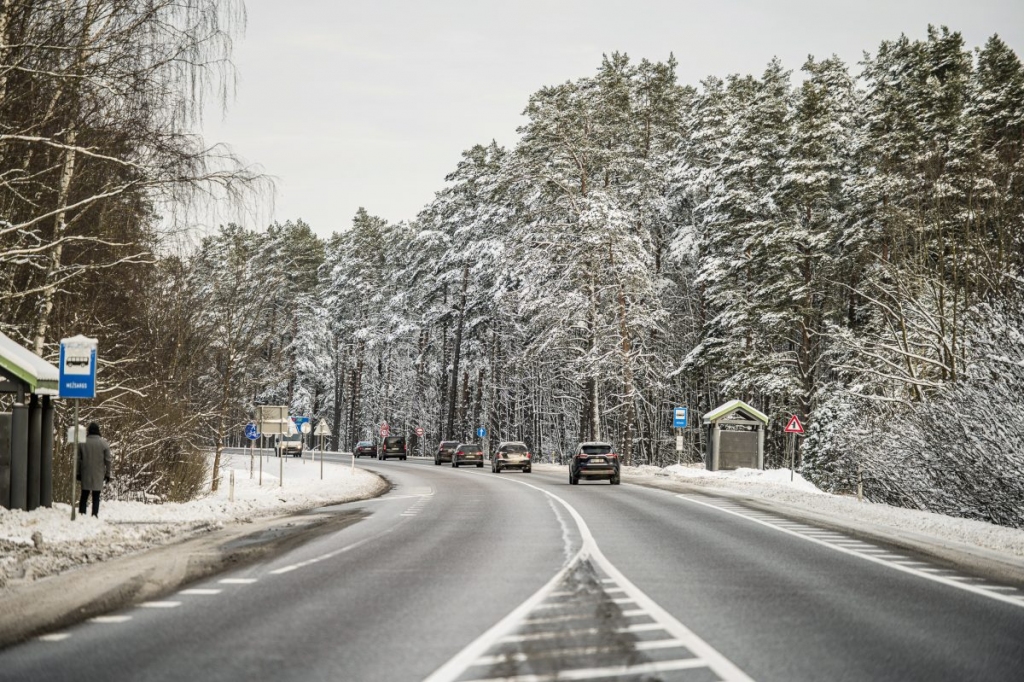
(775, 485)
(124, 527)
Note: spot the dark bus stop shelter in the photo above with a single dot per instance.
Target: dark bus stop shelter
(26, 431)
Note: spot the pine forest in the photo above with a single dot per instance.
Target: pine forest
(843, 242)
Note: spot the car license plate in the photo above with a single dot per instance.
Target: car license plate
(470, 456)
(597, 460)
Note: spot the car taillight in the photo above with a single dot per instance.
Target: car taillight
(582, 455)
(527, 455)
(612, 454)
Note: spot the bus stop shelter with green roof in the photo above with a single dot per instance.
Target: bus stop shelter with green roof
(26, 431)
(735, 437)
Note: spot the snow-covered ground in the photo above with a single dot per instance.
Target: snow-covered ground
(775, 485)
(124, 527)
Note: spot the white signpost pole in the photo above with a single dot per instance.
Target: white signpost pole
(74, 463)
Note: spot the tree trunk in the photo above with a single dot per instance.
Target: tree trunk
(457, 352)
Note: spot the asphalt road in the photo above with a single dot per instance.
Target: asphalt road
(467, 575)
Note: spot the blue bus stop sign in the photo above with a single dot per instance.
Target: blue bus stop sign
(679, 418)
(250, 431)
(481, 432)
(77, 367)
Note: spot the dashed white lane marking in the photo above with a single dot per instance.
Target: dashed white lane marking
(110, 619)
(54, 637)
(159, 604)
(924, 571)
(237, 581)
(200, 591)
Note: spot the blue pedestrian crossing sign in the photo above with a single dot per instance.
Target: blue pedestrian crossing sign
(680, 417)
(481, 432)
(251, 432)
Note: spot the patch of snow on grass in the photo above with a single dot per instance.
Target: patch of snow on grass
(124, 527)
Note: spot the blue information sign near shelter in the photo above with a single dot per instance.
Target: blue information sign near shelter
(680, 417)
(77, 367)
(299, 421)
(251, 432)
(481, 432)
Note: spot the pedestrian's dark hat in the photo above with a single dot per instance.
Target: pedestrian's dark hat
(93, 429)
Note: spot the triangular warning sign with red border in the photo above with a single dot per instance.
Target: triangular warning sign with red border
(794, 425)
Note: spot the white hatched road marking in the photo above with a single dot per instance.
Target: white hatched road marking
(554, 634)
(160, 604)
(992, 591)
(55, 637)
(704, 654)
(611, 671)
(237, 581)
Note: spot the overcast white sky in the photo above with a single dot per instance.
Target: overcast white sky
(352, 103)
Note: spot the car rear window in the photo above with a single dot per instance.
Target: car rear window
(515, 447)
(449, 444)
(471, 448)
(597, 449)
(394, 440)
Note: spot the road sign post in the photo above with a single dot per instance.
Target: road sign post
(680, 416)
(252, 434)
(322, 430)
(794, 428)
(77, 380)
(423, 445)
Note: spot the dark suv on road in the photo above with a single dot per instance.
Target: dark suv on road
(445, 451)
(365, 448)
(512, 455)
(594, 460)
(393, 446)
(468, 453)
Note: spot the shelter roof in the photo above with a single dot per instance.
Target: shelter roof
(23, 365)
(736, 406)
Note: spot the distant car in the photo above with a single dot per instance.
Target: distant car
(445, 451)
(365, 448)
(512, 455)
(594, 460)
(468, 453)
(393, 446)
(290, 444)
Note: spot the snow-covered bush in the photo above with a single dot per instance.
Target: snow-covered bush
(960, 453)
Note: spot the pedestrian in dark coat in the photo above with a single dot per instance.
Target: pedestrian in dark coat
(93, 467)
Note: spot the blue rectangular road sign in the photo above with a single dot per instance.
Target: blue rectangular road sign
(77, 368)
(679, 420)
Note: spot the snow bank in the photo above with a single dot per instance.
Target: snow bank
(775, 485)
(124, 527)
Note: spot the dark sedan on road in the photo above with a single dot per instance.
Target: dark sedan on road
(594, 460)
(445, 451)
(365, 448)
(512, 455)
(468, 453)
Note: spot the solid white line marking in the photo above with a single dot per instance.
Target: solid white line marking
(159, 604)
(611, 671)
(237, 581)
(901, 566)
(110, 619)
(200, 591)
(607, 580)
(55, 637)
